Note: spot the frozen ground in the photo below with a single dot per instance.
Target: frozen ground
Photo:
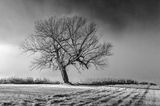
(53, 95)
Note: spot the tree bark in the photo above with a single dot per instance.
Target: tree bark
(64, 75)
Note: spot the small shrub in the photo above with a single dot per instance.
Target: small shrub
(148, 83)
(153, 84)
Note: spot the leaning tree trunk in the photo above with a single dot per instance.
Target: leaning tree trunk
(64, 75)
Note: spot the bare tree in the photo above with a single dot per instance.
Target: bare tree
(65, 41)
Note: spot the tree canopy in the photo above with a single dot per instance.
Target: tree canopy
(65, 41)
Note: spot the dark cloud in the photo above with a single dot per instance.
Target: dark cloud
(116, 13)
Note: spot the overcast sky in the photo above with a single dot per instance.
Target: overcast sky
(132, 26)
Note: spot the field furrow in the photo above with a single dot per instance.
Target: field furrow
(140, 98)
(131, 99)
(120, 99)
(106, 98)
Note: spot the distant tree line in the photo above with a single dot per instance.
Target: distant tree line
(27, 81)
(114, 82)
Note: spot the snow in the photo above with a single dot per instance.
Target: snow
(47, 95)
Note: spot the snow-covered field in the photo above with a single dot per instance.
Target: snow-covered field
(53, 95)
